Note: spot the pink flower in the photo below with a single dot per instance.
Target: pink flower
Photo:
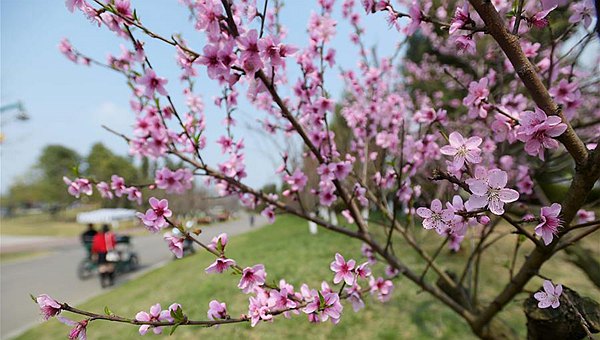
(218, 243)
(220, 265)
(252, 277)
(415, 16)
(550, 296)
(156, 315)
(582, 10)
(549, 222)
(269, 213)
(324, 306)
(584, 216)
(104, 190)
(174, 181)
(327, 193)
(250, 56)
(436, 217)
(258, 309)
(155, 218)
(465, 44)
(217, 310)
(118, 185)
(152, 83)
(175, 244)
(491, 191)
(79, 186)
(79, 328)
(72, 4)
(355, 297)
(463, 149)
(342, 270)
(382, 288)
(48, 306)
(297, 180)
(134, 194)
(538, 131)
(461, 17)
(280, 300)
(539, 19)
(477, 98)
(66, 48)
(363, 271)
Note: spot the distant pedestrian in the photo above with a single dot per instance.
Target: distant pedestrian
(103, 243)
(251, 220)
(87, 237)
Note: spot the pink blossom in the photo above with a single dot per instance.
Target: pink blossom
(79, 328)
(343, 270)
(584, 216)
(280, 300)
(79, 186)
(217, 310)
(134, 194)
(415, 16)
(539, 19)
(118, 185)
(321, 28)
(476, 100)
(250, 56)
(220, 265)
(582, 11)
(549, 224)
(252, 277)
(269, 213)
(550, 296)
(297, 180)
(104, 190)
(174, 181)
(152, 83)
(465, 44)
(258, 309)
(66, 49)
(491, 192)
(382, 288)
(538, 132)
(155, 218)
(156, 315)
(355, 297)
(72, 4)
(48, 306)
(436, 217)
(218, 243)
(463, 149)
(175, 244)
(327, 193)
(328, 307)
(461, 17)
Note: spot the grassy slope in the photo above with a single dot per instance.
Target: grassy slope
(287, 250)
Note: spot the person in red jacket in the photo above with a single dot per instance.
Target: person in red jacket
(103, 242)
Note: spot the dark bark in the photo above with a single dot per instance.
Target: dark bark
(565, 322)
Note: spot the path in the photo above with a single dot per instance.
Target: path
(55, 274)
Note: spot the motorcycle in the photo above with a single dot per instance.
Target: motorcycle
(128, 259)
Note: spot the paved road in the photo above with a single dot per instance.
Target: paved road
(55, 274)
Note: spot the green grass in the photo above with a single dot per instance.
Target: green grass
(18, 256)
(288, 251)
(42, 224)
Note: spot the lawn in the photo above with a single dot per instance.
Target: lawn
(288, 251)
(42, 224)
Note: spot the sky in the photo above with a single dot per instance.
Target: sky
(69, 103)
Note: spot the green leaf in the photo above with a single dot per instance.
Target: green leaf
(321, 300)
(173, 329)
(33, 297)
(177, 315)
(107, 311)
